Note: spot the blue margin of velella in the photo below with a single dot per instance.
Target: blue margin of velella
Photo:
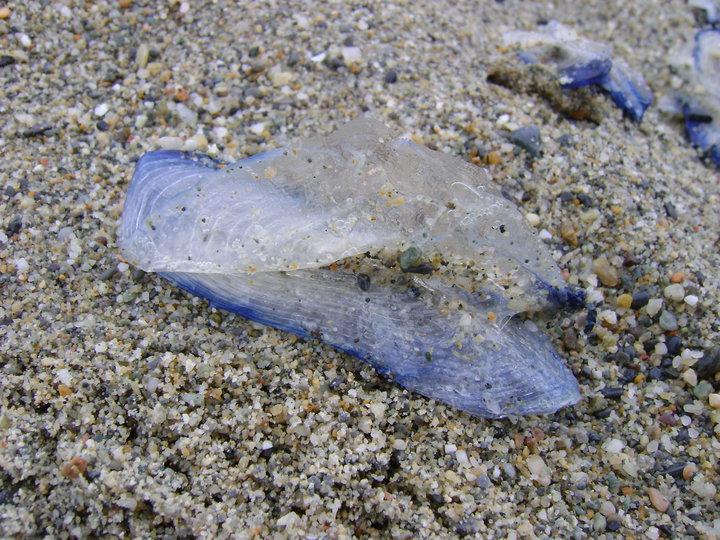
(195, 288)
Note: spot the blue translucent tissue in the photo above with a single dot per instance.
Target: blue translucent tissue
(306, 238)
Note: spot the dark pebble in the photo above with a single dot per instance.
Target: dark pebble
(590, 320)
(675, 470)
(139, 275)
(293, 59)
(566, 140)
(613, 525)
(612, 392)
(585, 199)
(14, 227)
(436, 499)
(253, 52)
(655, 374)
(102, 125)
(570, 339)
(110, 272)
(673, 344)
(468, 526)
(670, 210)
(602, 413)
(709, 365)
(253, 91)
(36, 131)
(267, 452)
(424, 268)
(630, 261)
(628, 375)
(348, 42)
(528, 138)
(6, 60)
(363, 281)
(334, 63)
(391, 76)
(640, 299)
(566, 196)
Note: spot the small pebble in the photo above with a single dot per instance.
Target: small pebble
(390, 76)
(281, 78)
(709, 365)
(690, 377)
(21, 265)
(607, 509)
(702, 389)
(539, 470)
(412, 260)
(528, 138)
(624, 301)
(670, 210)
(351, 55)
(613, 446)
(668, 322)
(171, 143)
(532, 219)
(654, 306)
(689, 471)
(677, 277)
(101, 110)
(658, 500)
(605, 272)
(608, 316)
(714, 401)
(4, 13)
(363, 281)
(640, 299)
(691, 300)
(196, 142)
(142, 55)
(674, 292)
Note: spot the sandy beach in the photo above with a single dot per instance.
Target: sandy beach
(130, 408)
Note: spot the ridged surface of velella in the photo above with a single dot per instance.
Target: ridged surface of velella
(307, 239)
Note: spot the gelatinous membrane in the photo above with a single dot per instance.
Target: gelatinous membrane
(282, 237)
(699, 103)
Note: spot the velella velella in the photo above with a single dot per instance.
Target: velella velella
(405, 257)
(699, 101)
(581, 62)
